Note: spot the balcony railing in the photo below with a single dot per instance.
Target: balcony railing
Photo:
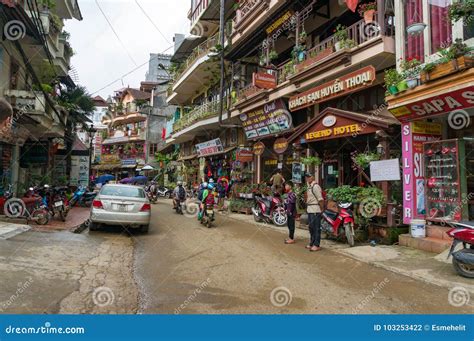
(201, 112)
(246, 7)
(359, 33)
(201, 50)
(196, 12)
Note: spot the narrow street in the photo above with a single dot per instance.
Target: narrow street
(181, 267)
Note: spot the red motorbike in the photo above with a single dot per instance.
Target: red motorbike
(6, 195)
(270, 210)
(339, 224)
(463, 259)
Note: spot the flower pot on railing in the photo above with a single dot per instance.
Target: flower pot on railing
(445, 69)
(338, 45)
(393, 89)
(369, 16)
(412, 83)
(402, 86)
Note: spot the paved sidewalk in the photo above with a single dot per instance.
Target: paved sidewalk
(9, 230)
(75, 217)
(420, 265)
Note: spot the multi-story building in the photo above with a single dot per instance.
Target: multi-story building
(34, 54)
(437, 116)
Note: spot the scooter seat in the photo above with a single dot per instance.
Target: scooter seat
(331, 214)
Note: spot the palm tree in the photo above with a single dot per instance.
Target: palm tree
(79, 105)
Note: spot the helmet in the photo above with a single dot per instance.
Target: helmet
(211, 181)
(210, 186)
(179, 183)
(204, 185)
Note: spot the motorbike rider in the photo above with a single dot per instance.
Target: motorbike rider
(208, 198)
(179, 194)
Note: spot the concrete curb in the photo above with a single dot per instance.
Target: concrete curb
(434, 281)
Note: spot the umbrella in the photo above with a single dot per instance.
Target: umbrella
(147, 167)
(126, 181)
(104, 178)
(140, 179)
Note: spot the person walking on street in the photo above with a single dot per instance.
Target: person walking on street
(277, 181)
(290, 205)
(315, 205)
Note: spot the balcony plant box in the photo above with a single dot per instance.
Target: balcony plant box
(314, 59)
(368, 11)
(445, 69)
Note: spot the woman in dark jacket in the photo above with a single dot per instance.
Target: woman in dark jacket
(290, 205)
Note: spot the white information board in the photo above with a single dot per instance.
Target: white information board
(385, 170)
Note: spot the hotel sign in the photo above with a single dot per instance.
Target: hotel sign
(279, 22)
(347, 84)
(209, 148)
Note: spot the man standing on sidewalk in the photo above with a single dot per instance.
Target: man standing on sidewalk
(315, 205)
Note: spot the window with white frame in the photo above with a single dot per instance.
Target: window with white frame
(439, 32)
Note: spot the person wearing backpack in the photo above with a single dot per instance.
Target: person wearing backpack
(179, 194)
(315, 205)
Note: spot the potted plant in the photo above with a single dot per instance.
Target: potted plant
(461, 10)
(363, 160)
(298, 53)
(311, 160)
(411, 68)
(453, 59)
(392, 78)
(348, 43)
(273, 55)
(302, 37)
(367, 11)
(340, 34)
(262, 60)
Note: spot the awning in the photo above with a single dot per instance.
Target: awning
(332, 123)
(129, 166)
(186, 48)
(187, 158)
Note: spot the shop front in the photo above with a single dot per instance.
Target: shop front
(438, 149)
(266, 126)
(215, 161)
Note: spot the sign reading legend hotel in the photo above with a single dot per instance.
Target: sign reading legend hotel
(339, 87)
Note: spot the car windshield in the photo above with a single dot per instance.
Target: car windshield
(125, 191)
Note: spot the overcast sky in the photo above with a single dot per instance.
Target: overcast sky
(101, 58)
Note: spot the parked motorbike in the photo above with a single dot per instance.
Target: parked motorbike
(31, 207)
(339, 224)
(82, 197)
(463, 259)
(270, 210)
(6, 195)
(57, 202)
(164, 192)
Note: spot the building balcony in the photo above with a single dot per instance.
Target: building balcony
(125, 118)
(120, 137)
(324, 61)
(195, 72)
(207, 110)
(31, 102)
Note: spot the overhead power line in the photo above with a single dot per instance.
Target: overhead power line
(152, 22)
(115, 33)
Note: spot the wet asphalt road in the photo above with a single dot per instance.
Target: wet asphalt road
(182, 267)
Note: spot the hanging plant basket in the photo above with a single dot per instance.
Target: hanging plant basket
(416, 28)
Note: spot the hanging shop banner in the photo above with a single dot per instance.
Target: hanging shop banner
(281, 145)
(453, 102)
(264, 80)
(258, 148)
(273, 118)
(414, 135)
(347, 84)
(286, 17)
(209, 147)
(244, 155)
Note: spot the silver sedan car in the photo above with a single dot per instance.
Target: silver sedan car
(121, 205)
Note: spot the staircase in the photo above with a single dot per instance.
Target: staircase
(436, 240)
